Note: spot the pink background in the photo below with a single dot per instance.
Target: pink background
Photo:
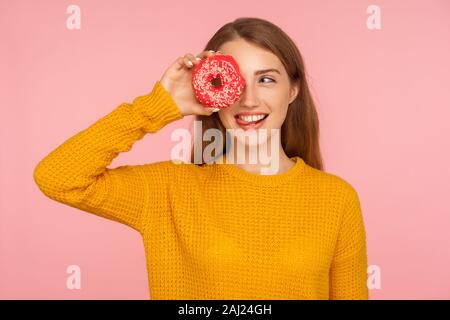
(382, 96)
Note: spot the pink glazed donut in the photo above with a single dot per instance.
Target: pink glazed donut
(217, 82)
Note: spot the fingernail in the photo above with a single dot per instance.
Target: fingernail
(198, 59)
(190, 63)
(216, 109)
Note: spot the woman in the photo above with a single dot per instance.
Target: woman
(221, 230)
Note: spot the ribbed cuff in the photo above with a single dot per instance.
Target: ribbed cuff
(159, 107)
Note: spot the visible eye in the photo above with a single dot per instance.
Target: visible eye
(268, 78)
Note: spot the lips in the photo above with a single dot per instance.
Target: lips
(250, 121)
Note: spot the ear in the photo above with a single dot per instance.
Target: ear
(295, 88)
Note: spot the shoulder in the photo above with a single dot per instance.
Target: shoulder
(330, 180)
(332, 185)
(346, 199)
(343, 196)
(171, 169)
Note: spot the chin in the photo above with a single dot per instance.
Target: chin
(251, 137)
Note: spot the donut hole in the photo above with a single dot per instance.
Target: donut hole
(216, 82)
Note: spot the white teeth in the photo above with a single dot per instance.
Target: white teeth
(252, 118)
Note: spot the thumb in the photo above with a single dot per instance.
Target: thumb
(211, 110)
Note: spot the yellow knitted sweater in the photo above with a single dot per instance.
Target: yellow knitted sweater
(214, 231)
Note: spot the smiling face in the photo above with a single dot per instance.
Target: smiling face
(267, 93)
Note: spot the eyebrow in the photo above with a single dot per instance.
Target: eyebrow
(266, 71)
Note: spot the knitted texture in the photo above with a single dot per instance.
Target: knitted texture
(214, 231)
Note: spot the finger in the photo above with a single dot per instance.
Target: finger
(206, 54)
(187, 61)
(213, 53)
(192, 58)
(210, 111)
(180, 63)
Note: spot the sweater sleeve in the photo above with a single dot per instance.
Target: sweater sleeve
(348, 271)
(76, 172)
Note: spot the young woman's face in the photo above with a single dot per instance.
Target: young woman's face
(266, 92)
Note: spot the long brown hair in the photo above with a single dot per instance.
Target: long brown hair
(300, 130)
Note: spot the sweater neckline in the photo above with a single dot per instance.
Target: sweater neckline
(260, 179)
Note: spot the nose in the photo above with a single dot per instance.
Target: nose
(249, 97)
